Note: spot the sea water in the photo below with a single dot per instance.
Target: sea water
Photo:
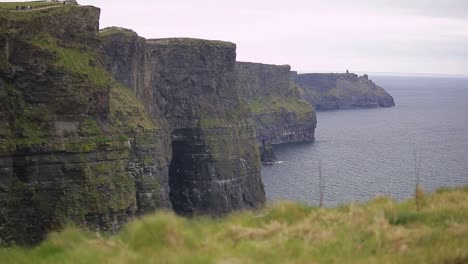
(380, 151)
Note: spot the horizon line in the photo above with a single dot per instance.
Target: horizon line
(390, 73)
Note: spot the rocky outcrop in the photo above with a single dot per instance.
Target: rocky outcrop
(77, 146)
(281, 114)
(340, 91)
(215, 164)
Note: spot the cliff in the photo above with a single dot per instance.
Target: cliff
(280, 113)
(340, 91)
(215, 165)
(76, 146)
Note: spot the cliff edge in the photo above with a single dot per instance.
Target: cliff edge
(281, 114)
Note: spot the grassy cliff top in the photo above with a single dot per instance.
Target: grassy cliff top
(116, 30)
(34, 4)
(286, 67)
(45, 10)
(382, 231)
(257, 64)
(190, 42)
(272, 104)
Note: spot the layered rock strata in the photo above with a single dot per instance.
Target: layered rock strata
(76, 146)
(281, 114)
(215, 165)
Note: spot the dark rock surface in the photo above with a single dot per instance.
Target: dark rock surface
(341, 91)
(77, 146)
(267, 153)
(280, 112)
(74, 145)
(215, 165)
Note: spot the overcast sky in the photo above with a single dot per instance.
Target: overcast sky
(400, 36)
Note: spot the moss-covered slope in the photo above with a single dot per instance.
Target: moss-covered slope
(341, 91)
(75, 146)
(281, 114)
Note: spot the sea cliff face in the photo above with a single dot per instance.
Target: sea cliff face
(280, 113)
(341, 91)
(215, 164)
(77, 146)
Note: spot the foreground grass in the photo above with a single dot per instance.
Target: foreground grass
(381, 231)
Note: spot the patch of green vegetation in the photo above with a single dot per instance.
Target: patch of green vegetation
(7, 145)
(76, 60)
(273, 104)
(230, 117)
(105, 189)
(127, 112)
(81, 145)
(122, 138)
(448, 189)
(190, 42)
(102, 141)
(228, 147)
(118, 187)
(281, 233)
(29, 122)
(210, 122)
(116, 30)
(13, 5)
(241, 112)
(89, 127)
(33, 14)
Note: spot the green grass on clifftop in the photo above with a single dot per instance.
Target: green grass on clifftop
(116, 30)
(274, 104)
(381, 231)
(13, 5)
(75, 60)
(9, 14)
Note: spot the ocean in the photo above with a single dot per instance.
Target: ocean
(380, 151)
